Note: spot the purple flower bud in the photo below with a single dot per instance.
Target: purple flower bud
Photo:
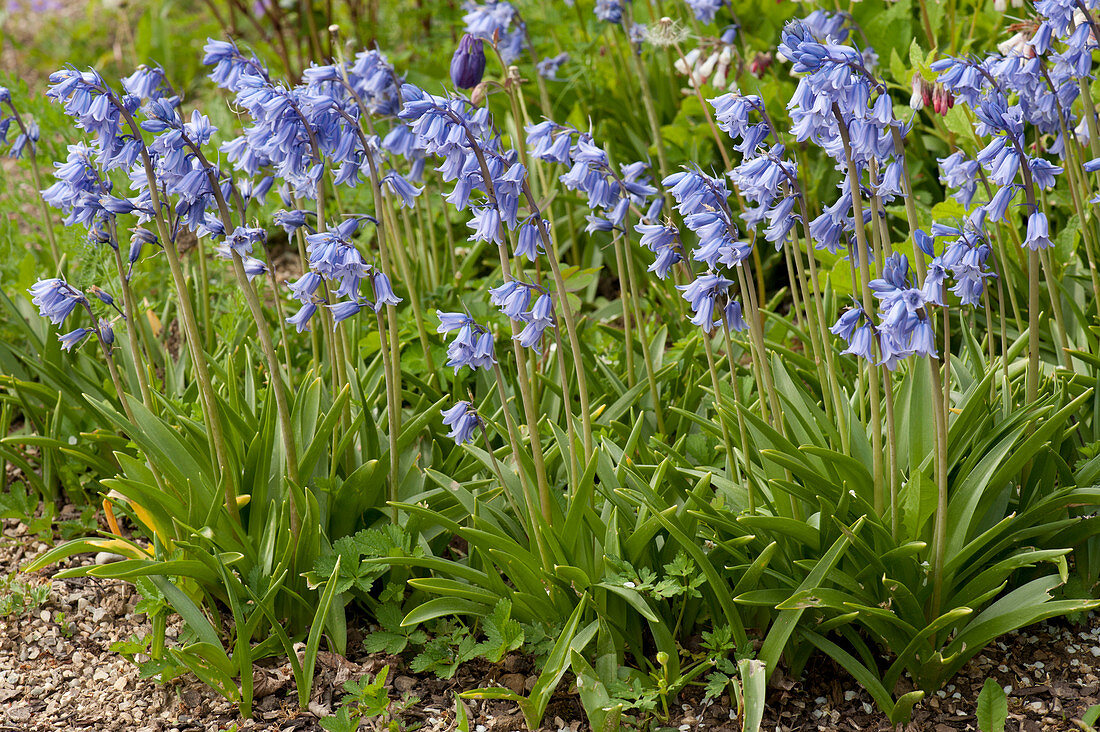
(106, 332)
(468, 62)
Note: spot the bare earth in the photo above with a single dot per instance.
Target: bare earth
(57, 673)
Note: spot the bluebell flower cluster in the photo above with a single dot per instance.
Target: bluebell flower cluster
(56, 300)
(514, 300)
(98, 110)
(473, 344)
(337, 269)
(296, 131)
(905, 329)
(79, 189)
(964, 259)
(979, 84)
(28, 131)
(497, 21)
(837, 88)
(765, 177)
(609, 11)
(609, 193)
(146, 83)
(702, 202)
(463, 420)
(711, 303)
(463, 136)
(663, 239)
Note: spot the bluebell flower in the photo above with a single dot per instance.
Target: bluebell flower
(1038, 234)
(486, 225)
(848, 321)
(548, 67)
(291, 221)
(244, 238)
(609, 11)
(383, 290)
(497, 22)
(403, 189)
(305, 288)
(664, 242)
(72, 338)
(959, 172)
(345, 309)
(463, 420)
(106, 331)
(55, 299)
(705, 10)
(253, 267)
(862, 343)
(512, 297)
(529, 240)
(300, 320)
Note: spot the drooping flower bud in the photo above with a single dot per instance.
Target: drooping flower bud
(468, 62)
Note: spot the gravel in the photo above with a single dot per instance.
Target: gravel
(57, 672)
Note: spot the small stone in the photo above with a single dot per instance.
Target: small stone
(515, 682)
(108, 558)
(21, 713)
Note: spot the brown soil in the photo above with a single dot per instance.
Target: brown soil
(57, 673)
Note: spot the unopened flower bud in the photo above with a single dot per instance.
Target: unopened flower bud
(477, 96)
(760, 64)
(468, 62)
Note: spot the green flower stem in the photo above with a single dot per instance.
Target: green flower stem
(517, 449)
(499, 473)
(647, 94)
(1056, 306)
(756, 331)
(758, 372)
(884, 249)
(521, 356)
(393, 387)
(647, 357)
(393, 375)
(131, 330)
(617, 243)
(190, 331)
(551, 248)
(719, 406)
(939, 529)
(750, 486)
(567, 401)
(409, 277)
(393, 407)
(869, 309)
(266, 344)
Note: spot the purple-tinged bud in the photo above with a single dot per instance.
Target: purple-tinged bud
(106, 332)
(104, 297)
(468, 62)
